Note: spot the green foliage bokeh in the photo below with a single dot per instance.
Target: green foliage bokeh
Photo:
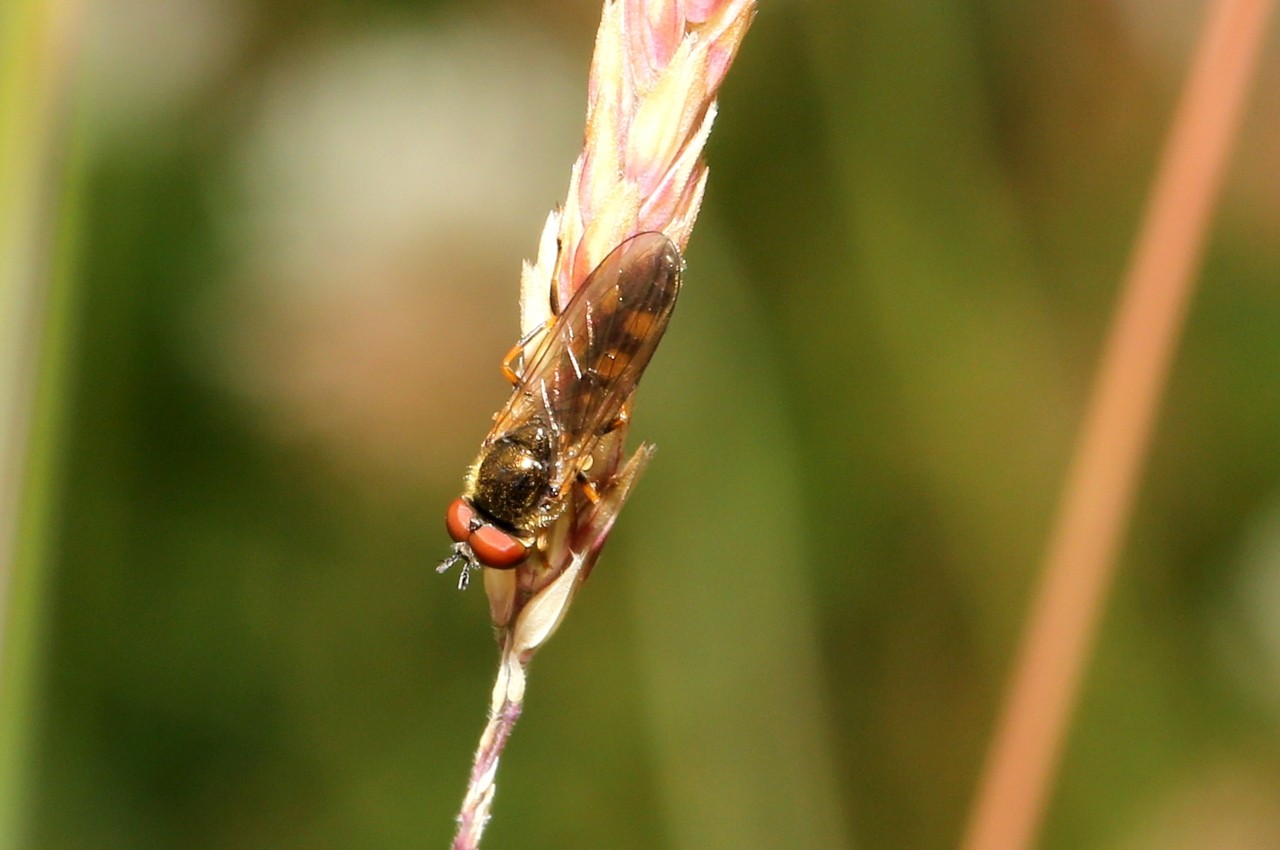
(916, 221)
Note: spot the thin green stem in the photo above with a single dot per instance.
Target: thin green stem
(37, 216)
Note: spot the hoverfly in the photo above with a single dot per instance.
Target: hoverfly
(575, 388)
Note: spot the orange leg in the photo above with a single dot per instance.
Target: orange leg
(508, 364)
(516, 353)
(589, 490)
(509, 370)
(623, 417)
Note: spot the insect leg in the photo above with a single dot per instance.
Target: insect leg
(509, 370)
(554, 290)
(588, 489)
(623, 417)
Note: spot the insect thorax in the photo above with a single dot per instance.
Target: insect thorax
(513, 475)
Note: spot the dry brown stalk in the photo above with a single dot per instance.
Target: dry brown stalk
(1116, 431)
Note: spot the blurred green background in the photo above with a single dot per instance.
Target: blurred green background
(291, 236)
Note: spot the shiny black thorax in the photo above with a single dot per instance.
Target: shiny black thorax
(512, 477)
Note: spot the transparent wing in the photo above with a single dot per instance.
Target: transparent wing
(591, 358)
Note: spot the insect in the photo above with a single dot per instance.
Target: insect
(575, 388)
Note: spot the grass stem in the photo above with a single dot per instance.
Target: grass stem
(1115, 434)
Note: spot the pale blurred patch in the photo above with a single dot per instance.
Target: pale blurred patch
(144, 57)
(1248, 633)
(1228, 807)
(388, 188)
(1163, 30)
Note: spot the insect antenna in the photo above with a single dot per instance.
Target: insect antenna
(462, 556)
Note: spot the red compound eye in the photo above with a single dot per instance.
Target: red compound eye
(458, 519)
(492, 546)
(495, 548)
